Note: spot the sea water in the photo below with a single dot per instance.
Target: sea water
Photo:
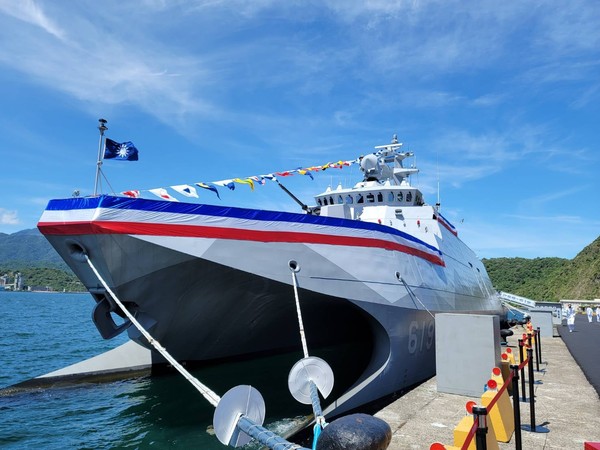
(42, 332)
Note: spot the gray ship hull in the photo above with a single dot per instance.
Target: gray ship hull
(209, 298)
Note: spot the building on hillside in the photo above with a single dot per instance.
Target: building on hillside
(19, 282)
(580, 305)
(40, 288)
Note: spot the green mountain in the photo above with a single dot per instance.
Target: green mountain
(28, 252)
(549, 279)
(29, 247)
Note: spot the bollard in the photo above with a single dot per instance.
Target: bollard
(533, 428)
(521, 359)
(539, 344)
(480, 415)
(516, 406)
(355, 432)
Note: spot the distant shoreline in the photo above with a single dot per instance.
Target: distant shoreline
(44, 292)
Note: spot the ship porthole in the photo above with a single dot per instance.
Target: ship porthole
(294, 266)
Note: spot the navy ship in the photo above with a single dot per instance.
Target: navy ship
(373, 264)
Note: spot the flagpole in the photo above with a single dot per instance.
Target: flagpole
(102, 127)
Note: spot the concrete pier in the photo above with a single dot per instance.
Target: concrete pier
(566, 404)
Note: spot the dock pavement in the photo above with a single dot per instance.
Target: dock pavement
(566, 403)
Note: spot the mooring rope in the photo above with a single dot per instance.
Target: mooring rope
(299, 311)
(320, 422)
(413, 295)
(208, 394)
(254, 430)
(266, 437)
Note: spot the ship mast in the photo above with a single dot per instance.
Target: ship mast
(102, 127)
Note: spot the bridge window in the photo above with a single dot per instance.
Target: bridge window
(391, 197)
(400, 196)
(349, 199)
(379, 197)
(360, 199)
(340, 199)
(370, 198)
(409, 197)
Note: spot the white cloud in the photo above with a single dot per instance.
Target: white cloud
(8, 217)
(98, 66)
(29, 11)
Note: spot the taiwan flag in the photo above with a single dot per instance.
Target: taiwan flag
(120, 152)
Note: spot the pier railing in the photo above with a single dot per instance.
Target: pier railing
(495, 416)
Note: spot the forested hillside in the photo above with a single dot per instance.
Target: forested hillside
(549, 279)
(29, 247)
(28, 252)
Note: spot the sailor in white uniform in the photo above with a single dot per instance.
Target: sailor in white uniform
(570, 313)
(597, 313)
(589, 313)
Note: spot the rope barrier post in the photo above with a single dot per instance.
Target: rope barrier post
(537, 356)
(480, 416)
(533, 427)
(531, 390)
(516, 406)
(539, 342)
(521, 359)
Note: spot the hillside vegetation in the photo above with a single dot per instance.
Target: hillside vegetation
(549, 279)
(43, 278)
(29, 253)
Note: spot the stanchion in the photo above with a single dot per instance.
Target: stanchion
(521, 359)
(533, 428)
(516, 405)
(539, 342)
(537, 355)
(480, 413)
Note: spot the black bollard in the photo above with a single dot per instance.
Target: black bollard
(516, 406)
(480, 414)
(355, 432)
(522, 369)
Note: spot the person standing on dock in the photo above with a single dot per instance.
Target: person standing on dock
(570, 318)
(589, 313)
(598, 313)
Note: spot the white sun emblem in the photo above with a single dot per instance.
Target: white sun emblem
(122, 151)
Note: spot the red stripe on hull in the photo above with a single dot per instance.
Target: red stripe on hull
(156, 229)
(447, 227)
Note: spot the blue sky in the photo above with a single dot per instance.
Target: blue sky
(499, 100)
